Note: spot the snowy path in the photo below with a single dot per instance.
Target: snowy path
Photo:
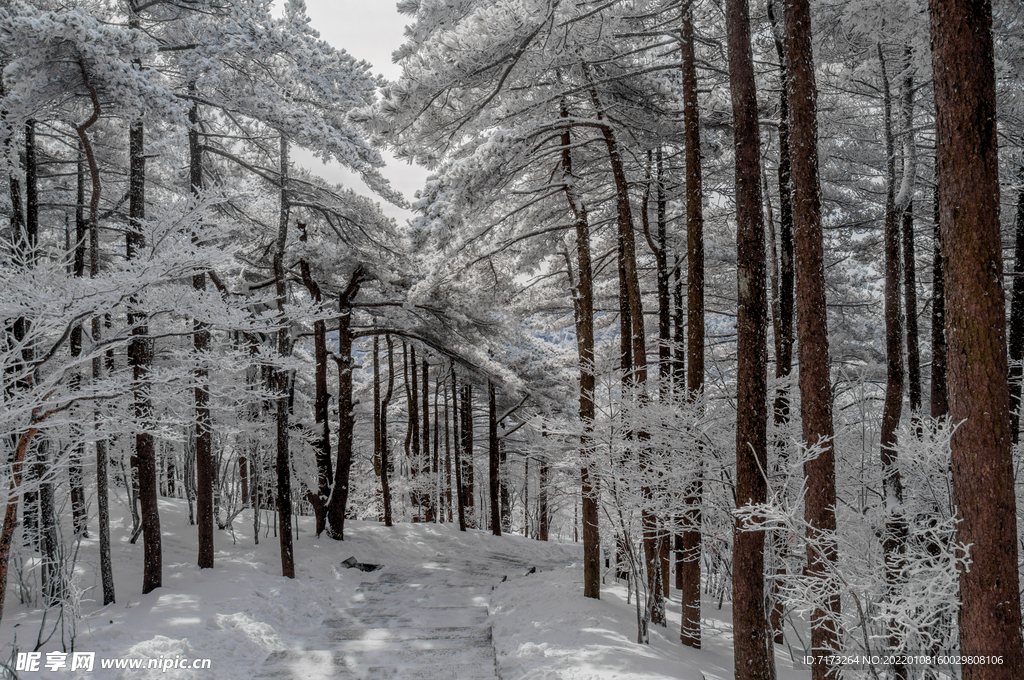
(424, 622)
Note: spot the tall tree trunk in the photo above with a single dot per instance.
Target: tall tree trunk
(583, 308)
(425, 467)
(459, 424)
(337, 506)
(283, 461)
(690, 633)
(1016, 318)
(25, 252)
(321, 400)
(201, 339)
(492, 458)
(385, 454)
(784, 304)
(415, 461)
(754, 652)
(102, 497)
(466, 431)
(542, 502)
(75, 472)
(376, 415)
(812, 326)
(447, 454)
(140, 355)
(905, 203)
(503, 487)
(910, 302)
(894, 541)
(979, 399)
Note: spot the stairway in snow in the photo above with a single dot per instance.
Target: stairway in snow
(412, 623)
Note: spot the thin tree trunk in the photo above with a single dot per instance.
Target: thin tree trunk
(75, 472)
(25, 244)
(690, 633)
(447, 455)
(324, 469)
(412, 392)
(201, 340)
(894, 541)
(376, 414)
(1016, 318)
(283, 461)
(459, 424)
(102, 496)
(385, 462)
(812, 327)
(979, 399)
(754, 652)
(503, 488)
(337, 505)
(467, 454)
(492, 457)
(425, 466)
(659, 246)
(905, 203)
(782, 315)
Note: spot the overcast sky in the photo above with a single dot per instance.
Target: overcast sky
(370, 30)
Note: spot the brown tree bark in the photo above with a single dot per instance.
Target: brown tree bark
(754, 658)
(812, 326)
(583, 314)
(979, 399)
(939, 399)
(690, 633)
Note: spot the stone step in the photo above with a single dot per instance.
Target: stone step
(380, 621)
(379, 646)
(438, 664)
(438, 600)
(433, 672)
(467, 635)
(399, 616)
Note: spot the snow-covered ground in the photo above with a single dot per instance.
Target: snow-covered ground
(243, 613)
